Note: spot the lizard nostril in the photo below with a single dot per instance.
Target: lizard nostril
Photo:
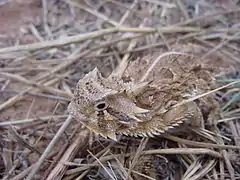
(100, 106)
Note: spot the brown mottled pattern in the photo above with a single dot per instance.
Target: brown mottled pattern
(145, 108)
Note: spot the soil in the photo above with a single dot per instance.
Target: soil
(15, 15)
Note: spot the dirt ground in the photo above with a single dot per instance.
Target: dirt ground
(40, 65)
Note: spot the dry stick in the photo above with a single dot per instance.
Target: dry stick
(96, 34)
(49, 148)
(45, 128)
(38, 85)
(92, 11)
(101, 153)
(232, 112)
(10, 166)
(30, 108)
(123, 18)
(209, 135)
(187, 36)
(58, 42)
(123, 52)
(206, 16)
(183, 9)
(161, 3)
(168, 151)
(166, 30)
(10, 171)
(108, 20)
(214, 174)
(16, 164)
(226, 158)
(121, 167)
(19, 97)
(23, 121)
(42, 95)
(22, 69)
(22, 142)
(234, 130)
(60, 168)
(125, 60)
(60, 152)
(221, 50)
(222, 170)
(22, 174)
(36, 33)
(101, 165)
(127, 13)
(159, 33)
(165, 41)
(87, 166)
(125, 6)
(192, 168)
(219, 35)
(151, 46)
(13, 100)
(228, 119)
(196, 151)
(233, 47)
(205, 170)
(115, 42)
(225, 154)
(205, 94)
(143, 175)
(140, 148)
(198, 144)
(45, 20)
(220, 45)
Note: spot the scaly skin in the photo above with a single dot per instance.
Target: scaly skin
(144, 106)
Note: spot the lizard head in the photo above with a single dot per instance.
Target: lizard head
(106, 106)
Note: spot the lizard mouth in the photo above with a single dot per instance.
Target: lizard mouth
(128, 118)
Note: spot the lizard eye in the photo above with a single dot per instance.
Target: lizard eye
(100, 106)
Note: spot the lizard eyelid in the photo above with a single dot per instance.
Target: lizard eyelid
(100, 106)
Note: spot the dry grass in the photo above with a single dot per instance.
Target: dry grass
(39, 140)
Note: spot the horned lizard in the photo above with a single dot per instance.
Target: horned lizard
(143, 102)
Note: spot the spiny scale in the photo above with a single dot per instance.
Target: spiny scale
(138, 108)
